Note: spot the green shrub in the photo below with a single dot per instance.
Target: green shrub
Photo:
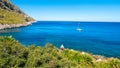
(13, 54)
(11, 17)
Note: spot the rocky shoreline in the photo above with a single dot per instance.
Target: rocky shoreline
(5, 26)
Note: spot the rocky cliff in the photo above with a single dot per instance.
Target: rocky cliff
(12, 16)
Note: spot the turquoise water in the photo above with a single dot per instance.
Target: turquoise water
(96, 37)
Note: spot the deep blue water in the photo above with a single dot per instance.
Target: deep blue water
(96, 37)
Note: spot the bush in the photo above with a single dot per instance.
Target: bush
(14, 54)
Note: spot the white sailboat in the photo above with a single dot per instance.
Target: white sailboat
(78, 29)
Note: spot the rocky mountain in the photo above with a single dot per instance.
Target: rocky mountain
(10, 14)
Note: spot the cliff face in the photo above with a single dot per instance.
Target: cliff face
(7, 5)
(10, 14)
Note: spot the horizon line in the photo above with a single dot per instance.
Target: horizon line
(75, 21)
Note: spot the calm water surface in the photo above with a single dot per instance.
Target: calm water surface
(96, 37)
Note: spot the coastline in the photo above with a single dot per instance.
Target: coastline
(8, 26)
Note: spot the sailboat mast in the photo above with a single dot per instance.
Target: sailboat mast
(79, 29)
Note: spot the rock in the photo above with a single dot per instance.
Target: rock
(62, 47)
(5, 26)
(7, 8)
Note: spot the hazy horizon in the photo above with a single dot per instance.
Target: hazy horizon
(76, 21)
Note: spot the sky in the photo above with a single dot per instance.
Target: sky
(71, 10)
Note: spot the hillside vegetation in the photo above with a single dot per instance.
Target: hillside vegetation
(13, 54)
(10, 14)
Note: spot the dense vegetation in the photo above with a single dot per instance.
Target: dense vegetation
(14, 54)
(10, 14)
(8, 17)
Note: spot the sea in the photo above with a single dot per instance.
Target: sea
(99, 38)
